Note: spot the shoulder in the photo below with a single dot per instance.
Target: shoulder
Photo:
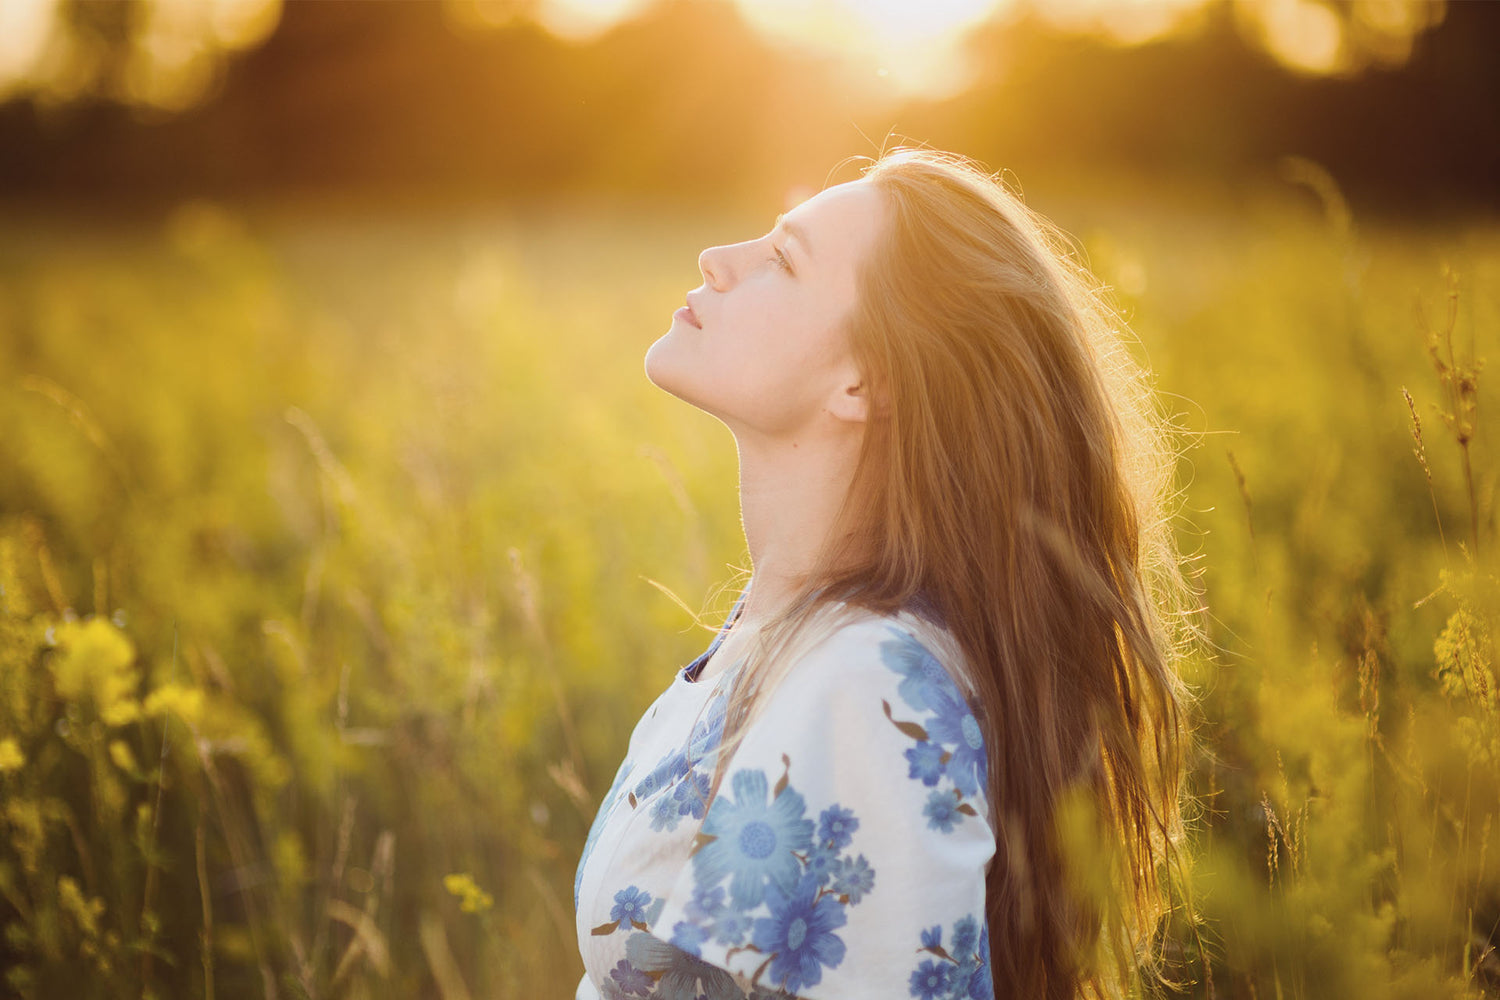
(854, 649)
(895, 686)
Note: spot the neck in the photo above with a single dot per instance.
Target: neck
(791, 492)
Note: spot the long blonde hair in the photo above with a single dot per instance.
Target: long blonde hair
(1016, 481)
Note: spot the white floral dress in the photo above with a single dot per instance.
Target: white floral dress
(845, 852)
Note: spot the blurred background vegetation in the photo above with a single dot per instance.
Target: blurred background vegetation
(334, 505)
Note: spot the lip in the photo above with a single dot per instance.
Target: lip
(686, 314)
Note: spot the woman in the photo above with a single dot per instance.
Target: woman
(936, 750)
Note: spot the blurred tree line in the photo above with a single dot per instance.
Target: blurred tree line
(686, 101)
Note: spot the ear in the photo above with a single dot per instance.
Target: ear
(851, 400)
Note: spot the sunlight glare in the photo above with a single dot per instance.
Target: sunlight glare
(1128, 22)
(912, 47)
(582, 19)
(1302, 34)
(240, 24)
(1387, 29)
(25, 26)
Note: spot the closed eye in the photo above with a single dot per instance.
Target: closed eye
(781, 261)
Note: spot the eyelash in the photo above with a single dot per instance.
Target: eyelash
(780, 261)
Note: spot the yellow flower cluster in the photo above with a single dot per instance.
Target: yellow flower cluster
(171, 698)
(1466, 676)
(11, 758)
(85, 912)
(123, 756)
(96, 659)
(472, 898)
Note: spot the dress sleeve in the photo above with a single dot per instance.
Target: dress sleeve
(844, 855)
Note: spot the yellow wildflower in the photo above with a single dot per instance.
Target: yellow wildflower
(290, 860)
(85, 912)
(184, 702)
(472, 899)
(11, 758)
(97, 659)
(28, 834)
(119, 752)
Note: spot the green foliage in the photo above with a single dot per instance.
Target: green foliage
(326, 603)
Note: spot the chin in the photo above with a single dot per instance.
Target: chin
(666, 371)
(659, 363)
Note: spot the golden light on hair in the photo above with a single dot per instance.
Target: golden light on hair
(1017, 484)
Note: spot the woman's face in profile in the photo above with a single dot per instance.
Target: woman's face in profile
(761, 344)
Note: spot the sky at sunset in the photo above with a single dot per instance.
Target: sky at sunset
(895, 46)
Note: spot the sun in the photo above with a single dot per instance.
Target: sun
(906, 45)
(909, 47)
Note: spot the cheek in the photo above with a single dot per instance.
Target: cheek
(789, 331)
(813, 344)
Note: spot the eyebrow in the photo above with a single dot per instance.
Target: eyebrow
(796, 230)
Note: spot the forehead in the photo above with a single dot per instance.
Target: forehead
(838, 224)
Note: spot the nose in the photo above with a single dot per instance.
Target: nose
(714, 263)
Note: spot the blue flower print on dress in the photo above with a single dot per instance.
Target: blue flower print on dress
(612, 990)
(781, 869)
(679, 975)
(709, 913)
(708, 732)
(691, 794)
(954, 728)
(732, 926)
(684, 771)
(949, 743)
(630, 980)
(852, 878)
(942, 811)
(960, 974)
(709, 917)
(821, 861)
(671, 767)
(981, 980)
(689, 937)
(965, 935)
(630, 905)
(932, 980)
(753, 839)
(633, 908)
(836, 826)
(664, 814)
(927, 763)
(921, 673)
(799, 934)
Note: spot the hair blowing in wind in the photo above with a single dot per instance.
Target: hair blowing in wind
(1016, 480)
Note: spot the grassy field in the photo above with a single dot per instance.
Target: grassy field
(327, 546)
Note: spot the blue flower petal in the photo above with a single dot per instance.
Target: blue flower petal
(630, 905)
(799, 935)
(942, 812)
(836, 826)
(926, 760)
(931, 980)
(755, 841)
